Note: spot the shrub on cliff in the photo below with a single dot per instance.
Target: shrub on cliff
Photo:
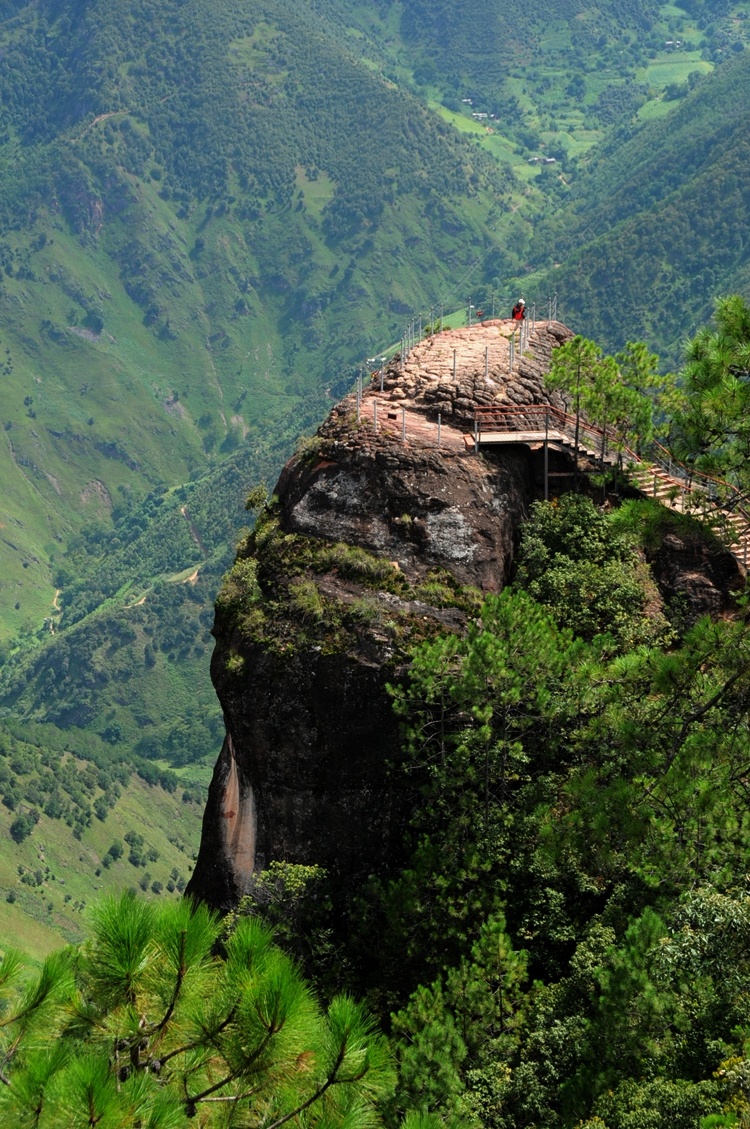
(579, 565)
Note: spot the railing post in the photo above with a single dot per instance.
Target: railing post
(546, 455)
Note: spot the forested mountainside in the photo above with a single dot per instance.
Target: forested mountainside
(201, 242)
(199, 239)
(655, 225)
(210, 216)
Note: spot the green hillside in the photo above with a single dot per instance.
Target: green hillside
(74, 820)
(212, 214)
(199, 240)
(655, 229)
(200, 244)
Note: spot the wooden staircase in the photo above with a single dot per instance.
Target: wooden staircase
(691, 498)
(716, 503)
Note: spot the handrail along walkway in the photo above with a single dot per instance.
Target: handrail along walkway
(710, 497)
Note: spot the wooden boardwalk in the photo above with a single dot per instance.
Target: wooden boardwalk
(467, 373)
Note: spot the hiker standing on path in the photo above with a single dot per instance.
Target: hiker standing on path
(518, 313)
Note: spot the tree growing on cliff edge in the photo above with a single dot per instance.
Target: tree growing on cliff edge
(713, 429)
(619, 394)
(145, 1025)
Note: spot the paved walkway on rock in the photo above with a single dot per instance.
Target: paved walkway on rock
(453, 372)
(480, 355)
(432, 358)
(418, 427)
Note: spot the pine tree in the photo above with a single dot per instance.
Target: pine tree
(147, 1025)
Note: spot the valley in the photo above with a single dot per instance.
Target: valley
(212, 215)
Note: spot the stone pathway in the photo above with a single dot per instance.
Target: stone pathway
(425, 379)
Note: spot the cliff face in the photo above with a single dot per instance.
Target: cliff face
(382, 531)
(376, 538)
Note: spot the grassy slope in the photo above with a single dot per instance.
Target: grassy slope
(40, 915)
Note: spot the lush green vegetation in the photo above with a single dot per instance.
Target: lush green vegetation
(712, 428)
(565, 945)
(190, 249)
(556, 951)
(78, 817)
(210, 214)
(649, 238)
(152, 1024)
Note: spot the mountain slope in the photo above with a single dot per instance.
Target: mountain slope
(198, 238)
(656, 229)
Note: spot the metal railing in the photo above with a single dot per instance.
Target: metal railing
(722, 497)
(540, 417)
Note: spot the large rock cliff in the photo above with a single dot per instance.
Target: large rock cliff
(383, 529)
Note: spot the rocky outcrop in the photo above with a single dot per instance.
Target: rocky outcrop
(384, 529)
(695, 573)
(382, 532)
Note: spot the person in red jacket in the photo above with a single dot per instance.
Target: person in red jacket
(518, 313)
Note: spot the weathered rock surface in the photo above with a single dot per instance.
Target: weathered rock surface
(382, 528)
(704, 578)
(303, 774)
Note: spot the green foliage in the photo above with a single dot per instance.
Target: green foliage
(294, 900)
(646, 523)
(567, 797)
(712, 431)
(575, 561)
(617, 394)
(145, 1024)
(482, 716)
(468, 1018)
